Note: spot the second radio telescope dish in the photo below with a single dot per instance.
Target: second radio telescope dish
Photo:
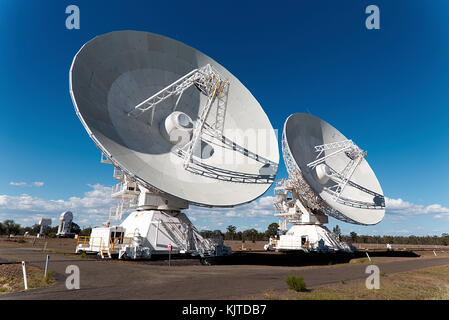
(331, 172)
(173, 118)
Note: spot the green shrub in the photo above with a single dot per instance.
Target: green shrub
(296, 283)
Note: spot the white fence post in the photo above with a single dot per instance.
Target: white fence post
(24, 275)
(47, 262)
(368, 256)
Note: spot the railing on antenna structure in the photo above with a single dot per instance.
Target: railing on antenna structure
(119, 242)
(98, 244)
(116, 212)
(83, 241)
(105, 159)
(118, 173)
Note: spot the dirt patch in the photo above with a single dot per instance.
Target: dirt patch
(11, 278)
(237, 245)
(57, 245)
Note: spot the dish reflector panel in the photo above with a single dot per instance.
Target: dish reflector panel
(137, 92)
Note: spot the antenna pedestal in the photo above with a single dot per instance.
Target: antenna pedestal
(155, 230)
(155, 225)
(308, 232)
(151, 200)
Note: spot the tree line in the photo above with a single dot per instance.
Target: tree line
(247, 235)
(353, 237)
(254, 235)
(9, 227)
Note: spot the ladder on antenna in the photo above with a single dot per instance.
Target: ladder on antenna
(222, 101)
(105, 249)
(216, 91)
(177, 235)
(126, 192)
(116, 212)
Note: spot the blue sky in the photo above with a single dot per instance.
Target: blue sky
(386, 89)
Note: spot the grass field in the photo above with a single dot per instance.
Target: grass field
(425, 284)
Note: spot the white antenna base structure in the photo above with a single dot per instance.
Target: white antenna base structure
(308, 233)
(155, 224)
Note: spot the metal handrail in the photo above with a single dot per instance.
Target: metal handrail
(100, 246)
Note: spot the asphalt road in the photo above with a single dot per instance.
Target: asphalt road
(131, 280)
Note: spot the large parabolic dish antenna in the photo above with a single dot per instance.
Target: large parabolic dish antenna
(173, 119)
(330, 171)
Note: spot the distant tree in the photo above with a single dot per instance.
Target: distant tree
(206, 233)
(85, 232)
(52, 231)
(250, 234)
(2, 229)
(11, 227)
(231, 231)
(217, 233)
(337, 231)
(353, 236)
(26, 229)
(445, 239)
(239, 236)
(35, 229)
(75, 228)
(272, 230)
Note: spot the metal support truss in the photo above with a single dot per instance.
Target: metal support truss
(342, 146)
(202, 78)
(354, 153)
(213, 137)
(378, 204)
(345, 176)
(209, 82)
(307, 195)
(214, 92)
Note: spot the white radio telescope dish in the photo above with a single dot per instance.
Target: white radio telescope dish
(332, 172)
(170, 117)
(328, 175)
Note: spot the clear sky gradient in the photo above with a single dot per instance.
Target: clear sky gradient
(386, 89)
